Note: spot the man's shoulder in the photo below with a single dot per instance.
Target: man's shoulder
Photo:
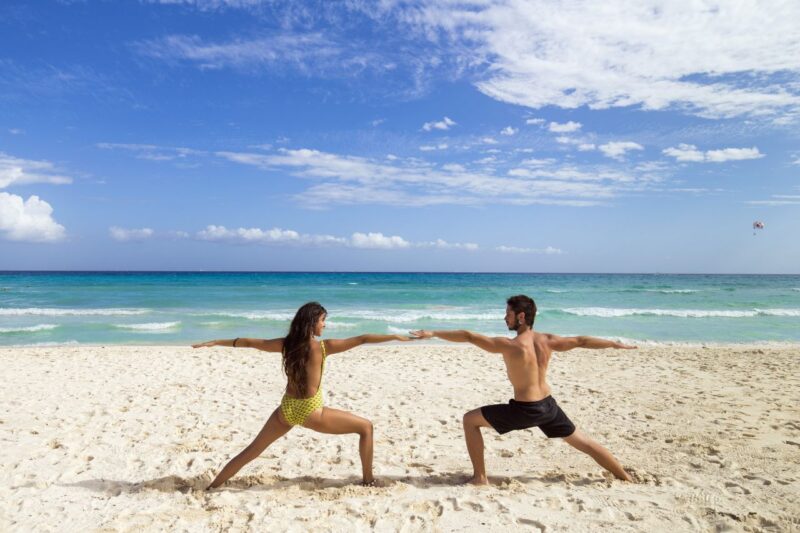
(539, 336)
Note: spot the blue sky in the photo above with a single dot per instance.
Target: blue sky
(401, 136)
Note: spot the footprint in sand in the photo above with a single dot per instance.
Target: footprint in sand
(735, 488)
(533, 523)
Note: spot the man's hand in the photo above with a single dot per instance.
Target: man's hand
(421, 334)
(405, 338)
(204, 344)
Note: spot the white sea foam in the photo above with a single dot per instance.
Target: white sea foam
(49, 311)
(796, 289)
(335, 324)
(152, 327)
(250, 315)
(610, 312)
(672, 291)
(29, 329)
(779, 312)
(421, 314)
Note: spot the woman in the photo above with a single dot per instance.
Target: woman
(304, 361)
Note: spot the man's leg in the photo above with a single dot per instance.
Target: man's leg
(591, 447)
(473, 422)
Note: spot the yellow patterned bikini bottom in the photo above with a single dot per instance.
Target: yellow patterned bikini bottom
(296, 410)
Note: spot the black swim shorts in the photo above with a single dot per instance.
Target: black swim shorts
(544, 414)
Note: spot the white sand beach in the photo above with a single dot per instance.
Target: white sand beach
(124, 438)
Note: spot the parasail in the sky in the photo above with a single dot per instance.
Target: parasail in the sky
(757, 225)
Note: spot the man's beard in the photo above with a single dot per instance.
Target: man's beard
(515, 327)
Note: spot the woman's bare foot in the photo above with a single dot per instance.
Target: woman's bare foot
(477, 480)
(370, 483)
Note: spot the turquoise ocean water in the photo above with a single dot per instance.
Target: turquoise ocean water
(38, 308)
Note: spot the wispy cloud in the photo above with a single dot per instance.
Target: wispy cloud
(509, 131)
(130, 235)
(567, 127)
(518, 250)
(444, 124)
(618, 149)
(778, 200)
(690, 153)
(343, 179)
(16, 171)
(28, 220)
(302, 51)
(207, 5)
(153, 152)
(617, 54)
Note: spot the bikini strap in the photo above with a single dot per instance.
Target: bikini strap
(324, 355)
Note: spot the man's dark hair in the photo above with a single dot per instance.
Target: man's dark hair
(523, 304)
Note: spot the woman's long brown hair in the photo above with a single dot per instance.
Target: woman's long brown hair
(297, 348)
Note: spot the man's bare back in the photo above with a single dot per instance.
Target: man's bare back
(527, 357)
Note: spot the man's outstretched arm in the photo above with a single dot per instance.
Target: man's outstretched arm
(490, 344)
(563, 344)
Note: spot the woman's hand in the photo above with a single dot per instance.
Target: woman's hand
(421, 334)
(204, 344)
(404, 338)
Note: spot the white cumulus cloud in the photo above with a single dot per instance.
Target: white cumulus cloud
(445, 124)
(509, 131)
(377, 240)
(567, 127)
(361, 240)
(133, 234)
(28, 220)
(690, 153)
(618, 149)
(432, 147)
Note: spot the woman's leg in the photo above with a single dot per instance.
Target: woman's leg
(334, 421)
(275, 428)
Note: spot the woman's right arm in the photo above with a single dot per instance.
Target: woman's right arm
(266, 345)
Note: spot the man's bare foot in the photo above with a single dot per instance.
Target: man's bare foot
(370, 483)
(477, 480)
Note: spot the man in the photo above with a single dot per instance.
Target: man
(527, 357)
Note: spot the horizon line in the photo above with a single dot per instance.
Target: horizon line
(91, 271)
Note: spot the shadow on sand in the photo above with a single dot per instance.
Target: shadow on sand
(267, 482)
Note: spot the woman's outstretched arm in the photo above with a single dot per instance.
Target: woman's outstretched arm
(267, 345)
(333, 346)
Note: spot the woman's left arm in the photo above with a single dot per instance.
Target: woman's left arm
(267, 345)
(333, 346)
